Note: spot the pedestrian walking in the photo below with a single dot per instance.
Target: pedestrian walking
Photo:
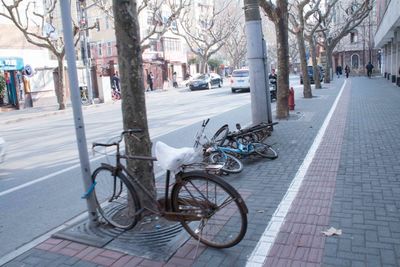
(150, 80)
(338, 70)
(347, 71)
(369, 68)
(174, 82)
(115, 81)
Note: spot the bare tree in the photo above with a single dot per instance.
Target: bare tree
(293, 49)
(206, 35)
(133, 93)
(311, 26)
(235, 47)
(164, 15)
(298, 17)
(39, 28)
(353, 14)
(278, 14)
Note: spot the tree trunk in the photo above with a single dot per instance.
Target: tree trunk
(316, 74)
(281, 28)
(327, 78)
(60, 91)
(303, 64)
(133, 94)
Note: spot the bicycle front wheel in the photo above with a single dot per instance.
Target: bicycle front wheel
(230, 163)
(265, 150)
(220, 136)
(117, 201)
(219, 214)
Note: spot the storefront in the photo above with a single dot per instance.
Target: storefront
(11, 68)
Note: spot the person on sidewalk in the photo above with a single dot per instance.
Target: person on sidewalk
(338, 70)
(347, 71)
(174, 82)
(150, 80)
(115, 81)
(369, 68)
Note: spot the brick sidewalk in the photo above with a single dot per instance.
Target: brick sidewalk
(352, 184)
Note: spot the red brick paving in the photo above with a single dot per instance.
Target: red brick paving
(300, 237)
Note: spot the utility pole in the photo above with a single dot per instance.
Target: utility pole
(83, 23)
(77, 108)
(258, 67)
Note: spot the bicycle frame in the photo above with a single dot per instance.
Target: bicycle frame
(165, 212)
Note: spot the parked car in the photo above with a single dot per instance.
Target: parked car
(2, 149)
(205, 81)
(240, 80)
(310, 72)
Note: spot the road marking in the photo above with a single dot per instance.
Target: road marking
(267, 239)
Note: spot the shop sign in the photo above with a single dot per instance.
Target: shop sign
(11, 63)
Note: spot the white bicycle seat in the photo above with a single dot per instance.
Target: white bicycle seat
(172, 159)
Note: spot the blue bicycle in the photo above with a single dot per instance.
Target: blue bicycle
(215, 154)
(243, 143)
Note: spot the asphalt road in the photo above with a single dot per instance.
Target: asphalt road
(40, 181)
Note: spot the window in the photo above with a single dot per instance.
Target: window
(99, 50)
(353, 37)
(355, 61)
(107, 23)
(109, 49)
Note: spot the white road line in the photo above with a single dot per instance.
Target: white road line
(267, 239)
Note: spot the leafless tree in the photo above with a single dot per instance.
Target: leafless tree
(206, 34)
(133, 93)
(37, 24)
(164, 15)
(293, 49)
(278, 14)
(235, 47)
(353, 14)
(297, 17)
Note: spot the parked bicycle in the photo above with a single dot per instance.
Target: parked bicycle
(202, 202)
(213, 153)
(243, 143)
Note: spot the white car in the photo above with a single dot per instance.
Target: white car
(240, 80)
(2, 149)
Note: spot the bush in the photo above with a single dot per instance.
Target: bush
(2, 86)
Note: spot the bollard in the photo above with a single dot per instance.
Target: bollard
(291, 99)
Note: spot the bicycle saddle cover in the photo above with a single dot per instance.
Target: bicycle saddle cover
(172, 159)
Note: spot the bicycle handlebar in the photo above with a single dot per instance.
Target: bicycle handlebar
(129, 131)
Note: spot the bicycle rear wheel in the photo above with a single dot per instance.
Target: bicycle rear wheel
(219, 211)
(230, 163)
(220, 136)
(117, 201)
(265, 150)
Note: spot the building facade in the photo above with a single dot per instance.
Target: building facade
(387, 38)
(356, 49)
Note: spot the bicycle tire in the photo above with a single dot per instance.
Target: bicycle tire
(265, 150)
(222, 219)
(220, 135)
(117, 201)
(230, 163)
